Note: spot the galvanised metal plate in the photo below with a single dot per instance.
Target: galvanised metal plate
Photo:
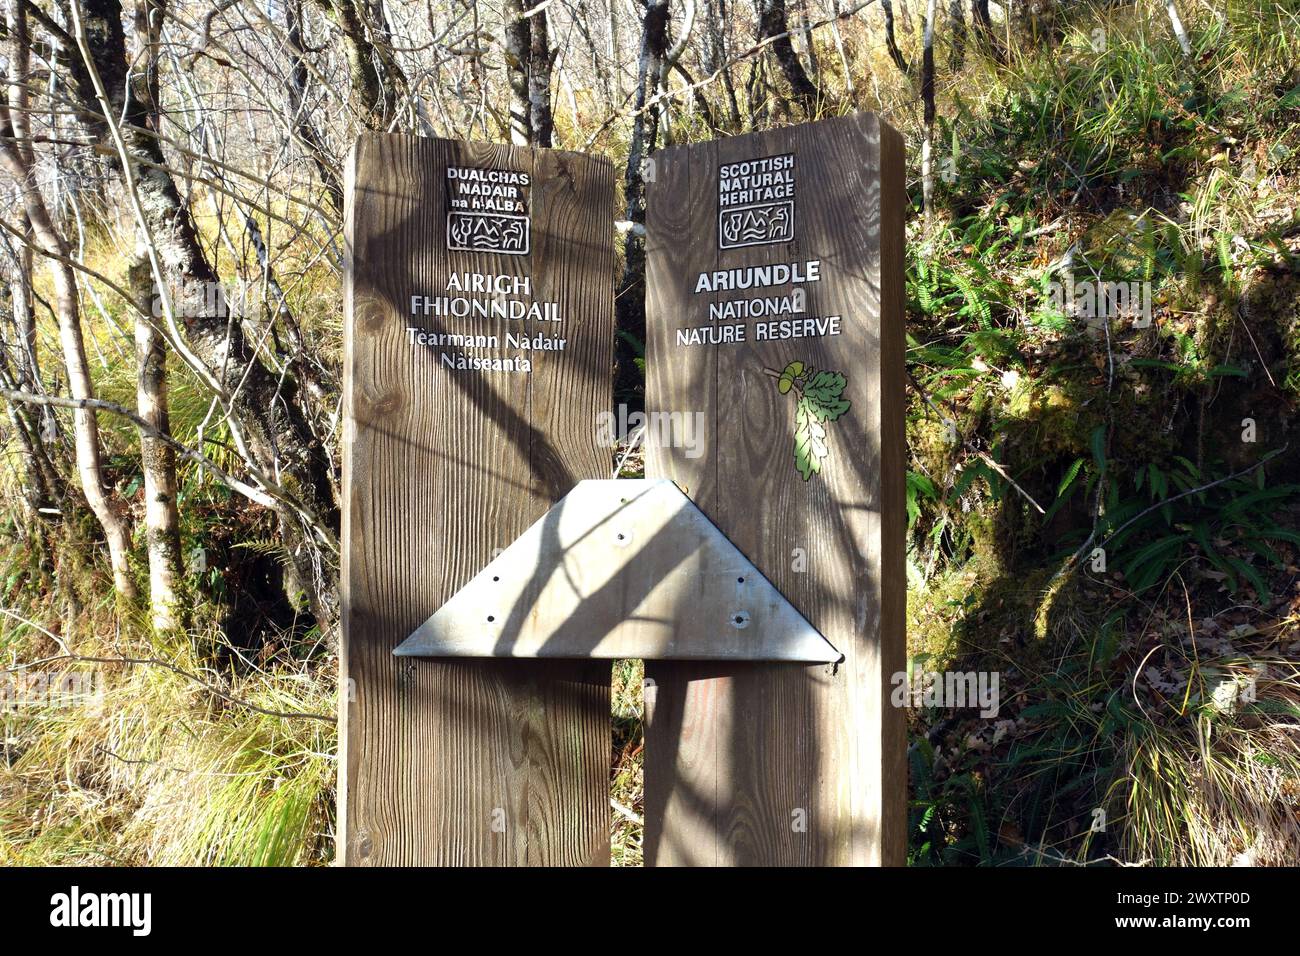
(621, 569)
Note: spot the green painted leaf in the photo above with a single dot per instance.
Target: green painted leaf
(820, 399)
(823, 395)
(809, 441)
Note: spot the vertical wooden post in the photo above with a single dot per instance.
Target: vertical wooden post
(785, 763)
(464, 420)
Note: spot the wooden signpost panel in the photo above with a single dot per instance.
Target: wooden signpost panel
(778, 763)
(450, 452)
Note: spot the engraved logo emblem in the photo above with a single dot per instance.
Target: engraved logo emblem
(487, 210)
(756, 202)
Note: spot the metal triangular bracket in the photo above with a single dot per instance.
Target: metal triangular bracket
(621, 569)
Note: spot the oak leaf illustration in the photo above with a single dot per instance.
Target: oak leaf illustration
(819, 401)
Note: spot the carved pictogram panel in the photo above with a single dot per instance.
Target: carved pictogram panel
(756, 202)
(487, 210)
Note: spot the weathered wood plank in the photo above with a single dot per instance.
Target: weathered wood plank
(783, 763)
(681, 731)
(459, 762)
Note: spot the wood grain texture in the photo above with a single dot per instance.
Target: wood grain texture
(499, 762)
(738, 755)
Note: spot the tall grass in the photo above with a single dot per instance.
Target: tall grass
(154, 768)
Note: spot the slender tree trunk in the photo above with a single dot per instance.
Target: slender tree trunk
(44, 490)
(158, 463)
(654, 49)
(518, 51)
(19, 161)
(927, 102)
(772, 23)
(891, 43)
(377, 82)
(1180, 32)
(696, 98)
(670, 60)
(38, 503)
(721, 53)
(838, 37)
(758, 93)
(41, 489)
(24, 314)
(540, 61)
(630, 302)
(615, 47)
(957, 53)
(598, 61)
(296, 89)
(107, 510)
(810, 48)
(157, 458)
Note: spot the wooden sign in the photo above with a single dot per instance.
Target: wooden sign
(479, 331)
(775, 312)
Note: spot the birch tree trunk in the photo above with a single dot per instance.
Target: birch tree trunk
(518, 52)
(296, 89)
(809, 48)
(540, 121)
(1180, 32)
(38, 500)
(838, 37)
(19, 161)
(670, 60)
(24, 315)
(630, 302)
(158, 463)
(41, 487)
(43, 491)
(86, 441)
(157, 458)
(615, 46)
